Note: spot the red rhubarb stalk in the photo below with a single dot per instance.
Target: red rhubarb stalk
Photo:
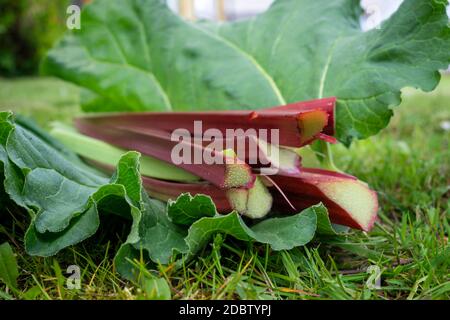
(298, 124)
(225, 172)
(326, 104)
(350, 202)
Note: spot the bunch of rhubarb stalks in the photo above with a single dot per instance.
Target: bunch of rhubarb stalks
(178, 158)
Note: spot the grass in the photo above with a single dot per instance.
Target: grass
(45, 100)
(408, 164)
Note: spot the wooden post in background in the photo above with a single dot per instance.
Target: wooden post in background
(220, 10)
(186, 8)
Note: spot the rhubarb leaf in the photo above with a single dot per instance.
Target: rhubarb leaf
(137, 55)
(59, 199)
(63, 196)
(159, 240)
(163, 241)
(281, 233)
(324, 225)
(83, 223)
(134, 55)
(187, 209)
(48, 244)
(159, 236)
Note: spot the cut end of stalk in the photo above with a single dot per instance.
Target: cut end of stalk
(259, 201)
(238, 199)
(355, 198)
(350, 202)
(311, 124)
(254, 203)
(238, 175)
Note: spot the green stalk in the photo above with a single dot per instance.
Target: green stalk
(104, 153)
(324, 154)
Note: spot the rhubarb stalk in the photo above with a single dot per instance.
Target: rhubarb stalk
(298, 123)
(350, 202)
(227, 172)
(102, 152)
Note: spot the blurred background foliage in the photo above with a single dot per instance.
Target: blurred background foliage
(28, 28)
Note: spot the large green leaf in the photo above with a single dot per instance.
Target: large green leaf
(135, 56)
(316, 48)
(138, 55)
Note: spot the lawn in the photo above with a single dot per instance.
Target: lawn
(408, 164)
